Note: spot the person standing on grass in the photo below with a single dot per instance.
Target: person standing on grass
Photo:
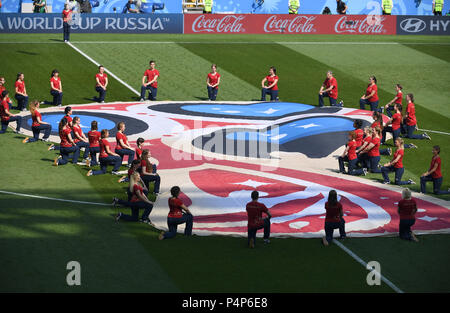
(334, 218)
(410, 120)
(371, 96)
(396, 165)
(38, 125)
(434, 174)
(329, 89)
(397, 100)
(255, 222)
(212, 82)
(272, 85)
(150, 82)
(122, 146)
(94, 142)
(101, 83)
(67, 145)
(148, 172)
(138, 201)
(39, 6)
(56, 88)
(6, 116)
(106, 157)
(407, 209)
(81, 140)
(67, 18)
(176, 216)
(21, 93)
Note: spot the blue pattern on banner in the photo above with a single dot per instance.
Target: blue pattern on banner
(86, 120)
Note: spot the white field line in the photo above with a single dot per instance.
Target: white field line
(53, 199)
(360, 261)
(237, 42)
(108, 71)
(434, 131)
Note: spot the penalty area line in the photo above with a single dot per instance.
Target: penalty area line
(109, 72)
(53, 199)
(360, 261)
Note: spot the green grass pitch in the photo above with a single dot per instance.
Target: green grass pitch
(39, 237)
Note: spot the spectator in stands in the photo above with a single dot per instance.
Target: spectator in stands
(101, 79)
(81, 140)
(106, 156)
(67, 145)
(255, 210)
(434, 174)
(396, 165)
(94, 142)
(387, 7)
(208, 4)
(341, 7)
(329, 89)
(407, 209)
(334, 218)
(56, 88)
(131, 7)
(326, 11)
(438, 6)
(371, 96)
(294, 5)
(21, 93)
(212, 82)
(72, 5)
(272, 85)
(85, 6)
(122, 146)
(39, 6)
(176, 216)
(67, 17)
(150, 82)
(7, 116)
(38, 125)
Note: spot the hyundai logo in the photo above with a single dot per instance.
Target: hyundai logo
(413, 25)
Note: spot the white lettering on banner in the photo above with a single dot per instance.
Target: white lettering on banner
(445, 24)
(226, 24)
(349, 25)
(436, 25)
(34, 23)
(132, 23)
(300, 24)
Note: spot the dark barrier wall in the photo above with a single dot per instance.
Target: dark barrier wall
(93, 23)
(423, 25)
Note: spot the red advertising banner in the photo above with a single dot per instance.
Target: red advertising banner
(289, 24)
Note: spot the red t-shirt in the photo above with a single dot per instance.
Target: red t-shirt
(437, 173)
(122, 136)
(368, 139)
(270, 80)
(254, 212)
(151, 75)
(401, 153)
(64, 135)
(101, 79)
(407, 209)
(175, 208)
(333, 214)
(94, 138)
(369, 90)
(68, 118)
(375, 151)
(56, 82)
(130, 172)
(375, 124)
(396, 121)
(411, 110)
(103, 143)
(35, 118)
(66, 14)
(351, 149)
(333, 93)
(4, 107)
(213, 78)
(138, 153)
(399, 98)
(148, 168)
(359, 137)
(136, 191)
(2, 88)
(20, 85)
(77, 130)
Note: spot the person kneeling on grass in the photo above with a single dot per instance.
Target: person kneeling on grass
(334, 218)
(434, 174)
(138, 201)
(67, 145)
(6, 116)
(81, 140)
(94, 142)
(106, 157)
(135, 167)
(407, 209)
(255, 210)
(148, 172)
(176, 216)
(349, 155)
(396, 165)
(38, 125)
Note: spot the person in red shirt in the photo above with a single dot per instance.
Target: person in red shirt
(67, 18)
(329, 89)
(377, 120)
(272, 85)
(106, 157)
(21, 93)
(410, 120)
(122, 146)
(176, 216)
(395, 122)
(349, 156)
(148, 171)
(363, 158)
(56, 88)
(3, 88)
(407, 209)
(38, 125)
(334, 218)
(373, 151)
(135, 167)
(396, 165)
(139, 147)
(94, 142)
(357, 124)
(212, 82)
(7, 116)
(371, 95)
(138, 201)
(434, 174)
(397, 99)
(150, 82)
(67, 145)
(255, 210)
(101, 80)
(81, 140)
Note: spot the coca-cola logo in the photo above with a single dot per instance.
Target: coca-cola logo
(299, 24)
(225, 24)
(369, 25)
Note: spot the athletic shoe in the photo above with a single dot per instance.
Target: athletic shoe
(251, 244)
(414, 238)
(142, 100)
(25, 140)
(115, 173)
(411, 182)
(118, 216)
(411, 145)
(45, 140)
(343, 237)
(122, 179)
(266, 241)
(386, 182)
(425, 135)
(55, 162)
(364, 171)
(148, 222)
(324, 241)
(161, 236)
(102, 101)
(52, 147)
(89, 173)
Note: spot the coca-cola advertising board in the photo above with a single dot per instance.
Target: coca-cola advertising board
(289, 24)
